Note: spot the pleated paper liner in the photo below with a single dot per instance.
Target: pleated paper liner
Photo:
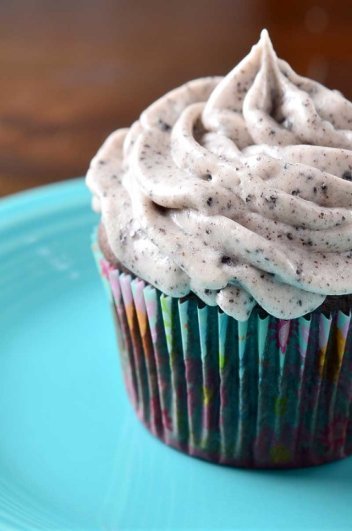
(261, 393)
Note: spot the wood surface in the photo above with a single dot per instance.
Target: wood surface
(71, 71)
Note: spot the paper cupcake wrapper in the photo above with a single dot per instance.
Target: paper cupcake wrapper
(261, 393)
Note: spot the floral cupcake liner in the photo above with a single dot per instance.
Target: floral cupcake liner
(261, 393)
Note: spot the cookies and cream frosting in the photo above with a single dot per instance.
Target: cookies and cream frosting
(236, 188)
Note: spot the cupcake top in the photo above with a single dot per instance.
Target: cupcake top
(238, 188)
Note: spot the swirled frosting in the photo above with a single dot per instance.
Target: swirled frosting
(237, 188)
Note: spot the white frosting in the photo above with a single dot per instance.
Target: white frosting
(237, 188)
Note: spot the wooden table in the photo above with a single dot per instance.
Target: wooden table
(73, 70)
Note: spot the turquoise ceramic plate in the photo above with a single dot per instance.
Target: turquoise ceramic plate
(72, 454)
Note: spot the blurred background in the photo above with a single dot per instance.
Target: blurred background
(71, 71)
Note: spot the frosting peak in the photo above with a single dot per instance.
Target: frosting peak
(237, 188)
(262, 101)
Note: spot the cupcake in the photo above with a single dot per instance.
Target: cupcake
(225, 244)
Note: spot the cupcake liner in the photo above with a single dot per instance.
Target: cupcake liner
(261, 393)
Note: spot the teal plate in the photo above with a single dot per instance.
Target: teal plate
(73, 456)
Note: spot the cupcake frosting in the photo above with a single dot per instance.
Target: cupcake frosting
(237, 188)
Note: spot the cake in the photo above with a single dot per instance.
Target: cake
(225, 242)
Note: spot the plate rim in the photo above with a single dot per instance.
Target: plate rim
(41, 199)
